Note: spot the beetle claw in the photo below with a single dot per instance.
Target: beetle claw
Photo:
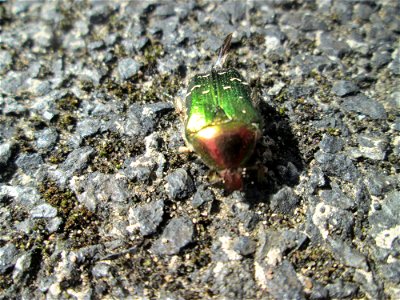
(232, 180)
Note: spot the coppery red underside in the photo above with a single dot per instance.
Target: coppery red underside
(229, 148)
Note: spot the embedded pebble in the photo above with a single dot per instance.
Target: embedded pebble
(336, 197)
(95, 189)
(340, 289)
(5, 60)
(8, 257)
(348, 255)
(29, 163)
(147, 217)
(128, 67)
(5, 153)
(202, 196)
(77, 160)
(46, 139)
(100, 270)
(176, 235)
(337, 165)
(372, 147)
(179, 184)
(244, 246)
(22, 265)
(43, 211)
(331, 144)
(284, 201)
(365, 106)
(331, 46)
(344, 88)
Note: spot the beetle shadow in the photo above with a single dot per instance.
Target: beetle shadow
(277, 158)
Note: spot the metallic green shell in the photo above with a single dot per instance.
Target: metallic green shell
(221, 125)
(218, 97)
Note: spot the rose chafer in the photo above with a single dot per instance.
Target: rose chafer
(221, 123)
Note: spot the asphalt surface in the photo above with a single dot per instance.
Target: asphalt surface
(97, 201)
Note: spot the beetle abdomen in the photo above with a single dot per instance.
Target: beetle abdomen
(225, 146)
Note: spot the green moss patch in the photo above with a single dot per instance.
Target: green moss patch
(80, 226)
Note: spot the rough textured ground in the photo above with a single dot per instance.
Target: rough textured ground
(96, 201)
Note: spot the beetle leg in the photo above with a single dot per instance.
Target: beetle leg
(213, 177)
(185, 149)
(178, 103)
(255, 99)
(255, 95)
(232, 179)
(260, 171)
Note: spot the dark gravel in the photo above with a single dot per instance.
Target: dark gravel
(96, 201)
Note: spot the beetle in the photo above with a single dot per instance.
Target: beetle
(221, 123)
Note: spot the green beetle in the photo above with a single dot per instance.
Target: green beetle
(221, 123)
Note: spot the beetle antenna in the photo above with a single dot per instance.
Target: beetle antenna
(223, 52)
